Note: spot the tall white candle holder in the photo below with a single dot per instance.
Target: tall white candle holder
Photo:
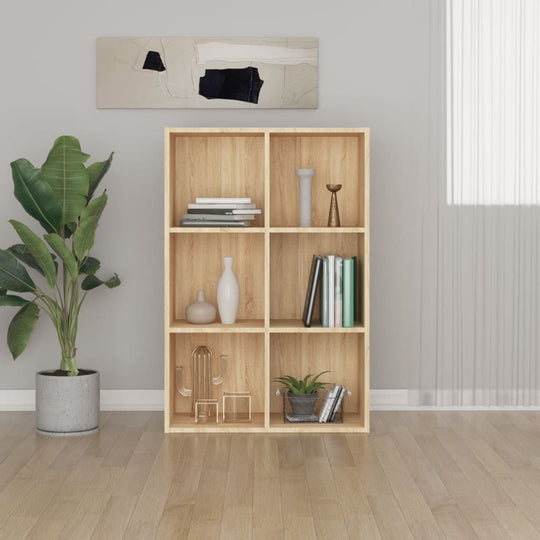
(305, 176)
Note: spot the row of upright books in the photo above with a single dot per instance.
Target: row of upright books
(333, 278)
(329, 410)
(220, 212)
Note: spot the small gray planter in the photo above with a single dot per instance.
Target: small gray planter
(67, 405)
(302, 404)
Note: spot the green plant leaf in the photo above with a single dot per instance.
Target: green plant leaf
(21, 327)
(23, 254)
(65, 173)
(84, 236)
(13, 275)
(91, 282)
(303, 386)
(96, 172)
(12, 300)
(314, 385)
(89, 266)
(69, 229)
(60, 248)
(35, 195)
(38, 249)
(3, 291)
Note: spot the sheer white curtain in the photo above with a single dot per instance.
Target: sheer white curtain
(479, 327)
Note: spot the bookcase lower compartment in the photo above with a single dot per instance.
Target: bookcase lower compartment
(242, 370)
(340, 353)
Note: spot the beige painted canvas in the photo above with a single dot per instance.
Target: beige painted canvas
(200, 73)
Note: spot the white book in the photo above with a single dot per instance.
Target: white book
(221, 206)
(339, 399)
(331, 294)
(208, 223)
(217, 217)
(338, 292)
(223, 200)
(246, 211)
(325, 409)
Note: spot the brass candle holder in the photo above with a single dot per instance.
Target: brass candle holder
(333, 216)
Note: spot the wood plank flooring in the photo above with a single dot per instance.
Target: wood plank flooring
(427, 475)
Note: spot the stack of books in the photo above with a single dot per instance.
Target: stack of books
(335, 276)
(330, 407)
(220, 212)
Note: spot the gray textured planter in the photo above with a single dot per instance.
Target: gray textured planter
(67, 405)
(302, 404)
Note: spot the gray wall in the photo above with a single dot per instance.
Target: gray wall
(373, 72)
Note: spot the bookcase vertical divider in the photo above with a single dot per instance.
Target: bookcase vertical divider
(267, 280)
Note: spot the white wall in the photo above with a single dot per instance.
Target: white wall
(373, 72)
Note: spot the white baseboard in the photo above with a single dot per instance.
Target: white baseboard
(132, 400)
(152, 400)
(388, 400)
(17, 400)
(111, 400)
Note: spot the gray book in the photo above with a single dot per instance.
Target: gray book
(204, 223)
(216, 217)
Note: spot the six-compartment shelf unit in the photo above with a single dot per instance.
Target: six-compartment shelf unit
(272, 260)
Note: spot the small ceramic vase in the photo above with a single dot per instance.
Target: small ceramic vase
(305, 176)
(228, 293)
(201, 312)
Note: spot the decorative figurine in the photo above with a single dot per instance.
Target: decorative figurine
(333, 216)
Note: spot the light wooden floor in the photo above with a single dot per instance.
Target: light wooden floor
(417, 475)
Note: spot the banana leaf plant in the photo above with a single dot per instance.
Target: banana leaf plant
(60, 197)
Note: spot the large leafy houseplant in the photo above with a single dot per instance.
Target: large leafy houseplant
(60, 196)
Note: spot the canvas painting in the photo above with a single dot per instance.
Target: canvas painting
(143, 73)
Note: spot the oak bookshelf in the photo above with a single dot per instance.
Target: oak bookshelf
(271, 261)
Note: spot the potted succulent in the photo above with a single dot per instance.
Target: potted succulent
(60, 196)
(302, 393)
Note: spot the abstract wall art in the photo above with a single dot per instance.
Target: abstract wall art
(200, 73)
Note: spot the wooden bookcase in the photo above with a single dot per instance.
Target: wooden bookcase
(272, 261)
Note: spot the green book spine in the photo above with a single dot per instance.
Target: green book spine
(338, 292)
(355, 279)
(324, 294)
(348, 293)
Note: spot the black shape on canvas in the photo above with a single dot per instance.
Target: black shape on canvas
(153, 61)
(237, 84)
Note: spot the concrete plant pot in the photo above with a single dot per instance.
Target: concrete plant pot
(67, 405)
(302, 404)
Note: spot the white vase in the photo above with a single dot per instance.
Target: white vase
(228, 293)
(305, 176)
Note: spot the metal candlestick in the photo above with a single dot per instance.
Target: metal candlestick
(333, 216)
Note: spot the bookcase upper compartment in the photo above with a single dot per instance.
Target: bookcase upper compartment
(215, 165)
(338, 158)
